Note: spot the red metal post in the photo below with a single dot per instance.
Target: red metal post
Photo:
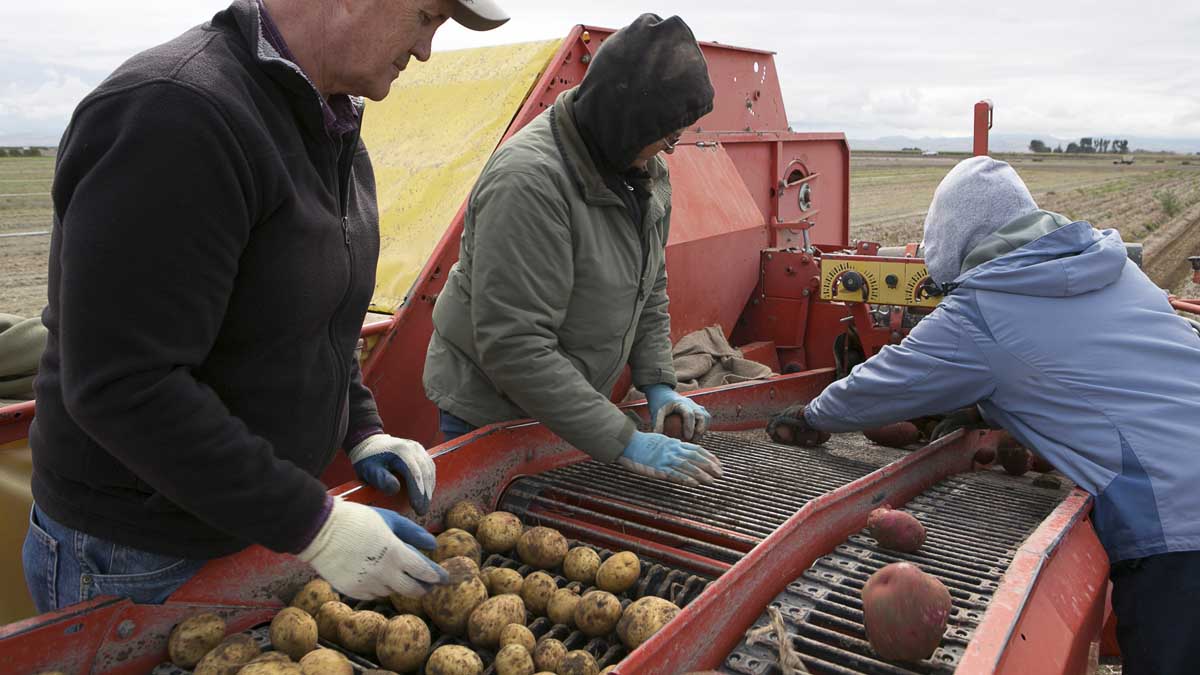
(983, 123)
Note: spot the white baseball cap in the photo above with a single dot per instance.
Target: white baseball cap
(479, 14)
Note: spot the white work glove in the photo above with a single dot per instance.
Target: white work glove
(367, 552)
(377, 458)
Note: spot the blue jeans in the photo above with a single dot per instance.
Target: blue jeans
(65, 566)
(452, 427)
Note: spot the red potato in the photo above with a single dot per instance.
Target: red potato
(1015, 461)
(896, 530)
(1040, 465)
(905, 612)
(673, 426)
(898, 435)
(985, 455)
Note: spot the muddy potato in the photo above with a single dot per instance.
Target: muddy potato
(403, 644)
(536, 591)
(234, 651)
(325, 662)
(490, 618)
(267, 657)
(314, 594)
(548, 654)
(597, 613)
(450, 606)
(294, 632)
(193, 638)
(518, 634)
(542, 547)
(608, 670)
(405, 605)
(514, 660)
(454, 660)
(464, 515)
(505, 580)
(643, 619)
(329, 617)
(455, 542)
(498, 532)
(258, 667)
(485, 575)
(578, 662)
(561, 607)
(619, 573)
(581, 564)
(359, 631)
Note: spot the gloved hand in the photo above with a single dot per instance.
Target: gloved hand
(663, 400)
(366, 552)
(377, 457)
(964, 418)
(659, 456)
(790, 427)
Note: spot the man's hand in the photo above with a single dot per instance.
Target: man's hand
(378, 458)
(663, 400)
(964, 418)
(659, 456)
(366, 552)
(791, 428)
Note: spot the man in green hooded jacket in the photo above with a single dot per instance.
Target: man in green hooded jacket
(561, 278)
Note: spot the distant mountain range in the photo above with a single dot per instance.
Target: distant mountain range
(1016, 143)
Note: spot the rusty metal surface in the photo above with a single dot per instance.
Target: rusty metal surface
(971, 542)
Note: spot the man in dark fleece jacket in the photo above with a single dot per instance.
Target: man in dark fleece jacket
(207, 184)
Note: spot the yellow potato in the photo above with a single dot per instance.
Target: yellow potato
(454, 660)
(403, 644)
(597, 613)
(644, 618)
(268, 657)
(329, 617)
(542, 547)
(578, 662)
(450, 606)
(407, 605)
(548, 654)
(359, 631)
(491, 616)
(518, 634)
(193, 638)
(455, 542)
(271, 667)
(314, 594)
(325, 662)
(619, 573)
(505, 580)
(464, 515)
(536, 591)
(485, 575)
(581, 564)
(561, 608)
(498, 532)
(514, 660)
(236, 650)
(294, 632)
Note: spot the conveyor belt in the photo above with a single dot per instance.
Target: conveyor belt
(974, 524)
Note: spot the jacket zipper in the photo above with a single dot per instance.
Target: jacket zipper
(645, 249)
(342, 178)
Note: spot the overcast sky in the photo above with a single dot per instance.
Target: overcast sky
(871, 69)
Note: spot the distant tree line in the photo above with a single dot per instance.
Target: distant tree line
(1085, 145)
(20, 152)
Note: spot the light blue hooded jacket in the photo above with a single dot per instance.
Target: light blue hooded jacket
(1066, 344)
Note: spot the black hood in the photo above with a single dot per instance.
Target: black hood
(647, 80)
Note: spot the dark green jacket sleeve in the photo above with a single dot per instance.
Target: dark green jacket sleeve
(650, 359)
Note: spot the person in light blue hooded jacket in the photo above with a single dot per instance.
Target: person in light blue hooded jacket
(1060, 339)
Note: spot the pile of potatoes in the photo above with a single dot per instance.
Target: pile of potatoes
(486, 607)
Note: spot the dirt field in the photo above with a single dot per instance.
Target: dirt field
(24, 210)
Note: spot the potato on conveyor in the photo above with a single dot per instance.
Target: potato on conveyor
(490, 618)
(329, 617)
(505, 580)
(597, 613)
(561, 608)
(403, 644)
(619, 573)
(403, 605)
(581, 564)
(548, 654)
(464, 515)
(644, 618)
(267, 657)
(236, 650)
(518, 634)
(536, 591)
(905, 612)
(454, 660)
(325, 662)
(258, 667)
(542, 547)
(514, 660)
(193, 638)
(453, 543)
(608, 669)
(896, 530)
(359, 631)
(578, 662)
(294, 632)
(498, 532)
(450, 606)
(314, 594)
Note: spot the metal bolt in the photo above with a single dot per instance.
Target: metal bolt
(586, 58)
(790, 270)
(806, 292)
(768, 256)
(86, 579)
(125, 630)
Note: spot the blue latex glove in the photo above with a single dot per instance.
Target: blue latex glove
(378, 458)
(659, 456)
(663, 401)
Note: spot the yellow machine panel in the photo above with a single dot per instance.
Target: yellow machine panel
(428, 142)
(875, 280)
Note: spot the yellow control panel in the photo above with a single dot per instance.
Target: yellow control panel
(877, 280)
